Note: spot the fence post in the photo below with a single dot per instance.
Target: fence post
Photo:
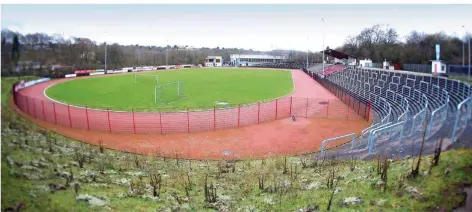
(54, 108)
(347, 116)
(86, 114)
(44, 114)
(291, 106)
(70, 120)
(276, 104)
(27, 105)
(359, 108)
(239, 113)
(188, 122)
(134, 123)
(368, 111)
(160, 119)
(306, 109)
(109, 123)
(327, 109)
(214, 117)
(34, 109)
(258, 111)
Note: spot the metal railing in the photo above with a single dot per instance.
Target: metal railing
(389, 129)
(353, 140)
(467, 105)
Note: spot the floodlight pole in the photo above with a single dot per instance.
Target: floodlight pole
(106, 54)
(105, 57)
(463, 48)
(469, 56)
(167, 41)
(307, 52)
(322, 33)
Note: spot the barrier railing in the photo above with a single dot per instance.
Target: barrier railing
(464, 108)
(368, 132)
(420, 116)
(442, 111)
(352, 136)
(389, 129)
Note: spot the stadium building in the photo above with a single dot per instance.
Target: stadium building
(213, 61)
(252, 60)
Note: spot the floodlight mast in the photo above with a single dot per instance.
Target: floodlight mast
(322, 33)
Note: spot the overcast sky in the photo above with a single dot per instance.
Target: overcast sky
(260, 27)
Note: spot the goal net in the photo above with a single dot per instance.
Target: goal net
(169, 92)
(146, 77)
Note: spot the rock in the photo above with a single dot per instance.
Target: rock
(110, 171)
(350, 201)
(247, 208)
(269, 200)
(380, 202)
(31, 168)
(285, 184)
(309, 209)
(166, 210)
(122, 195)
(135, 174)
(337, 190)
(18, 207)
(63, 174)
(42, 164)
(149, 197)
(10, 161)
(224, 198)
(33, 176)
(313, 185)
(122, 182)
(447, 171)
(92, 200)
(379, 184)
(42, 188)
(414, 193)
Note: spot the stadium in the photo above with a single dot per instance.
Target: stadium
(237, 132)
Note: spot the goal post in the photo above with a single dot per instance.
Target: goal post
(146, 75)
(169, 92)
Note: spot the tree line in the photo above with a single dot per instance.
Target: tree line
(378, 43)
(44, 51)
(381, 42)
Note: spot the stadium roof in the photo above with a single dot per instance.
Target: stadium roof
(337, 54)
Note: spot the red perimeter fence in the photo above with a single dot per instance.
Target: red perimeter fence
(191, 121)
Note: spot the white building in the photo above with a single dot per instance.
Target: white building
(251, 59)
(213, 61)
(365, 63)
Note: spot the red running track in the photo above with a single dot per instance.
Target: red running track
(272, 138)
(308, 100)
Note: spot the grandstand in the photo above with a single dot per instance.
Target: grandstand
(402, 102)
(254, 60)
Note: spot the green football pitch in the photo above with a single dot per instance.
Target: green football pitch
(201, 89)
